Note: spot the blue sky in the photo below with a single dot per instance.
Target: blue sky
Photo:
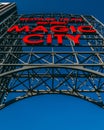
(55, 112)
(94, 7)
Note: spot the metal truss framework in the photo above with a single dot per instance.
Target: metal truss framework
(27, 71)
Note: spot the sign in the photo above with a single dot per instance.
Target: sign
(46, 29)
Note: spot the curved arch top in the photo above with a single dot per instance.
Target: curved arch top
(53, 66)
(45, 83)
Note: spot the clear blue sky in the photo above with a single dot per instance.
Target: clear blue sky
(55, 112)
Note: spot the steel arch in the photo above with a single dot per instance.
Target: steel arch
(75, 91)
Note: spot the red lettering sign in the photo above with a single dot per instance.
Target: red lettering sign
(32, 39)
(47, 29)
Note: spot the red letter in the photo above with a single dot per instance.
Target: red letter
(64, 19)
(59, 29)
(42, 23)
(23, 19)
(50, 19)
(57, 23)
(86, 29)
(73, 29)
(75, 39)
(59, 38)
(49, 39)
(30, 41)
(40, 19)
(76, 20)
(39, 28)
(17, 29)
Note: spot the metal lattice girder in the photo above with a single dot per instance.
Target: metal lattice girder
(8, 16)
(56, 69)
